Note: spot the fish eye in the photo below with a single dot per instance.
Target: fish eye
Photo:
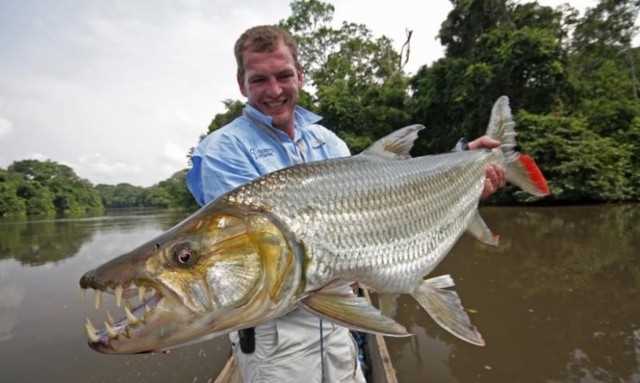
(183, 255)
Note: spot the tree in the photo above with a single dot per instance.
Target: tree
(176, 190)
(579, 164)
(47, 187)
(469, 20)
(493, 48)
(39, 199)
(156, 196)
(11, 205)
(233, 109)
(360, 89)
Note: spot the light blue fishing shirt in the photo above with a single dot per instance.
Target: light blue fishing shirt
(287, 348)
(250, 146)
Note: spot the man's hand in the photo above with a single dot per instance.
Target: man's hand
(494, 179)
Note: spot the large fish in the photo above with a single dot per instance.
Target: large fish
(288, 239)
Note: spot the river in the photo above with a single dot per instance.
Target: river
(558, 301)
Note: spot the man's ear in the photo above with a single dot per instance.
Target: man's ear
(300, 78)
(241, 85)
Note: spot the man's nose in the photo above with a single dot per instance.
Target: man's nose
(273, 87)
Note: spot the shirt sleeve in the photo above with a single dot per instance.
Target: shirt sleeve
(218, 166)
(336, 146)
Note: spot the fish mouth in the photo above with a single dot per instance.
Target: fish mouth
(137, 300)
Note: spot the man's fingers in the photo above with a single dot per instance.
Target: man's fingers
(500, 179)
(483, 142)
(489, 188)
(494, 180)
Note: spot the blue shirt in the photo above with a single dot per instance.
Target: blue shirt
(250, 146)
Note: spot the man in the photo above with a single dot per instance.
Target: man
(273, 133)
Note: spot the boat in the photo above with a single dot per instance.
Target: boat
(380, 368)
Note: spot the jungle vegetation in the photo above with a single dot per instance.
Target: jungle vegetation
(572, 81)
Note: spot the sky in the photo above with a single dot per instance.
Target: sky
(121, 89)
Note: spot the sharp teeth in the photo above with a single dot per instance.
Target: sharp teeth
(141, 294)
(98, 298)
(110, 318)
(91, 332)
(119, 295)
(130, 317)
(110, 330)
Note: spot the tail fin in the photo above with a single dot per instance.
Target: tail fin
(521, 170)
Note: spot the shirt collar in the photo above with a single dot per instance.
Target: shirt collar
(301, 118)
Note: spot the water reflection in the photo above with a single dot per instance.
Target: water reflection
(42, 313)
(11, 297)
(556, 302)
(35, 243)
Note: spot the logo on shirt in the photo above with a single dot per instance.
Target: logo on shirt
(261, 153)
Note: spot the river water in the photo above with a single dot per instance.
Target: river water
(558, 301)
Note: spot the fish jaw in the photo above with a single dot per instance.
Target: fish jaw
(222, 269)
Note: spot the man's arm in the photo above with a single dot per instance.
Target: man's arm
(218, 165)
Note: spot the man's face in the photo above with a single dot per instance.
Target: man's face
(271, 84)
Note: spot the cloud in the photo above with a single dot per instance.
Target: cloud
(5, 127)
(140, 81)
(174, 154)
(102, 169)
(36, 156)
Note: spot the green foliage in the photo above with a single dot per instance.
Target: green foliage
(11, 205)
(121, 195)
(579, 164)
(32, 187)
(360, 89)
(39, 199)
(156, 196)
(572, 79)
(494, 48)
(233, 110)
(176, 190)
(170, 193)
(468, 20)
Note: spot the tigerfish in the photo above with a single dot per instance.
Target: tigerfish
(380, 218)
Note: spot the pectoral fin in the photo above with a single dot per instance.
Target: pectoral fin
(445, 308)
(479, 229)
(353, 312)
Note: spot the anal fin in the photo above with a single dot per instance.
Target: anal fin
(445, 307)
(353, 312)
(479, 229)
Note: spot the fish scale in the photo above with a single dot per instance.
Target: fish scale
(288, 239)
(403, 215)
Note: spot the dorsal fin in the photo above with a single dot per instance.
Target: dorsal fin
(396, 145)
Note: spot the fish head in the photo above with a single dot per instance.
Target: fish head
(222, 269)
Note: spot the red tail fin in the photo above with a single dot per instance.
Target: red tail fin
(525, 174)
(535, 174)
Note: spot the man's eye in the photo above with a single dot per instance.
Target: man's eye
(256, 80)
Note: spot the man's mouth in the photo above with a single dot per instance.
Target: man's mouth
(275, 104)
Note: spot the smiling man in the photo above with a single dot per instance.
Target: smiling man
(273, 133)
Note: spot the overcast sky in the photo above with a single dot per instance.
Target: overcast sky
(120, 90)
